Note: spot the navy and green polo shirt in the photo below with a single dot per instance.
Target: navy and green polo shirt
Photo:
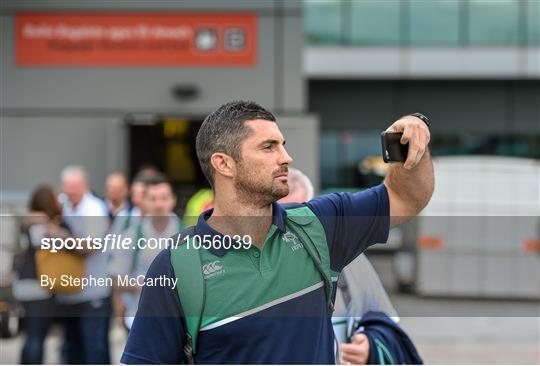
(261, 306)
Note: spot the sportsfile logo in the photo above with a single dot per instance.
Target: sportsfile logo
(291, 239)
(212, 269)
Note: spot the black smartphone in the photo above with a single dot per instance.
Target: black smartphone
(392, 150)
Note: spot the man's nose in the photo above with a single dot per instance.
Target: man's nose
(286, 158)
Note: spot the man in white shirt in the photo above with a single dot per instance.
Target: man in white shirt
(87, 311)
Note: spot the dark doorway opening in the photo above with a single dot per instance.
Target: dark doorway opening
(168, 144)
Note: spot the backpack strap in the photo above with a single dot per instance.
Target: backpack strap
(187, 268)
(191, 285)
(127, 222)
(305, 225)
(138, 235)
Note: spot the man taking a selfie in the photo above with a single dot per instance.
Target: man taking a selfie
(270, 299)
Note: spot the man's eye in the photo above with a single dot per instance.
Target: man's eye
(269, 147)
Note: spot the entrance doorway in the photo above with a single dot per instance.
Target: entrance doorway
(168, 144)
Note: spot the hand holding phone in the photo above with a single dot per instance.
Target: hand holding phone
(392, 149)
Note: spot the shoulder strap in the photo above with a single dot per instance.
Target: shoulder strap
(138, 235)
(127, 222)
(300, 221)
(187, 265)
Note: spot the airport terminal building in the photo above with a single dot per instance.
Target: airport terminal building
(115, 85)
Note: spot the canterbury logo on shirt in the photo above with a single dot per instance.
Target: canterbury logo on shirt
(212, 269)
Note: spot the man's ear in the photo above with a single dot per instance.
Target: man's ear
(223, 164)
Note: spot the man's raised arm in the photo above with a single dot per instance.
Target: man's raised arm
(410, 185)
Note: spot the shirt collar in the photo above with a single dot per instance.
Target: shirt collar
(124, 206)
(278, 212)
(75, 210)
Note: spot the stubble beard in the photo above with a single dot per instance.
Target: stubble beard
(253, 190)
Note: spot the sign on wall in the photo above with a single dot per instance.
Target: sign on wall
(136, 39)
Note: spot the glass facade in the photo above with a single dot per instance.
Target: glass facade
(494, 23)
(478, 23)
(374, 22)
(468, 117)
(435, 23)
(353, 158)
(323, 22)
(533, 22)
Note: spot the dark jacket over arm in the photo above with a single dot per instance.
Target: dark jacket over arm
(388, 343)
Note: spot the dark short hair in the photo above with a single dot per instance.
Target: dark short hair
(223, 131)
(141, 179)
(159, 178)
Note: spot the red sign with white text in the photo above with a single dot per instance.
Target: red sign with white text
(136, 39)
